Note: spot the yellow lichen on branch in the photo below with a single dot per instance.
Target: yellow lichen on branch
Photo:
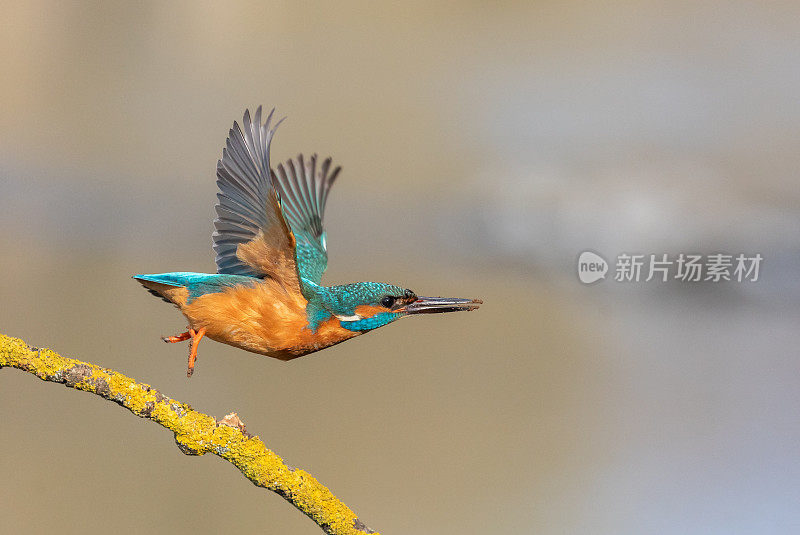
(195, 433)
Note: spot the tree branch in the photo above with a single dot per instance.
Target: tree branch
(195, 433)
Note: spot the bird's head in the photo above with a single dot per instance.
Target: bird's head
(363, 306)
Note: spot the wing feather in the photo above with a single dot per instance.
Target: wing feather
(303, 187)
(251, 236)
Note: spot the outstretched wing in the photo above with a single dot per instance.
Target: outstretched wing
(303, 186)
(251, 236)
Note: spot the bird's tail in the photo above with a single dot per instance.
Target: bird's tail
(164, 286)
(183, 287)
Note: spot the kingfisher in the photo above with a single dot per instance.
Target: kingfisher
(267, 295)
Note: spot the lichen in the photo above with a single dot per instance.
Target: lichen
(195, 433)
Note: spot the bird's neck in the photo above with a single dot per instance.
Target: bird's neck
(325, 302)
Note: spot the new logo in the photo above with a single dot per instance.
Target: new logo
(591, 267)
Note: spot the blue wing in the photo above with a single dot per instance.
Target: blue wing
(303, 187)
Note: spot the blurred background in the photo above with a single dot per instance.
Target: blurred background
(484, 146)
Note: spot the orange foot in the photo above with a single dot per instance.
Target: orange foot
(196, 337)
(177, 337)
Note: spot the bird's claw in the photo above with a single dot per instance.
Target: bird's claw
(177, 338)
(196, 336)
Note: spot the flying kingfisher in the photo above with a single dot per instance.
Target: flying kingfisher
(267, 296)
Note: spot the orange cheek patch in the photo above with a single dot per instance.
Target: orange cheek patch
(367, 311)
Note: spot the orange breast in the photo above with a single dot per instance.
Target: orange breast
(268, 319)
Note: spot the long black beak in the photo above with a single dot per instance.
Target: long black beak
(434, 305)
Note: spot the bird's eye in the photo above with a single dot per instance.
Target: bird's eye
(388, 301)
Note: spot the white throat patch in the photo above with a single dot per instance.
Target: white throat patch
(354, 317)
